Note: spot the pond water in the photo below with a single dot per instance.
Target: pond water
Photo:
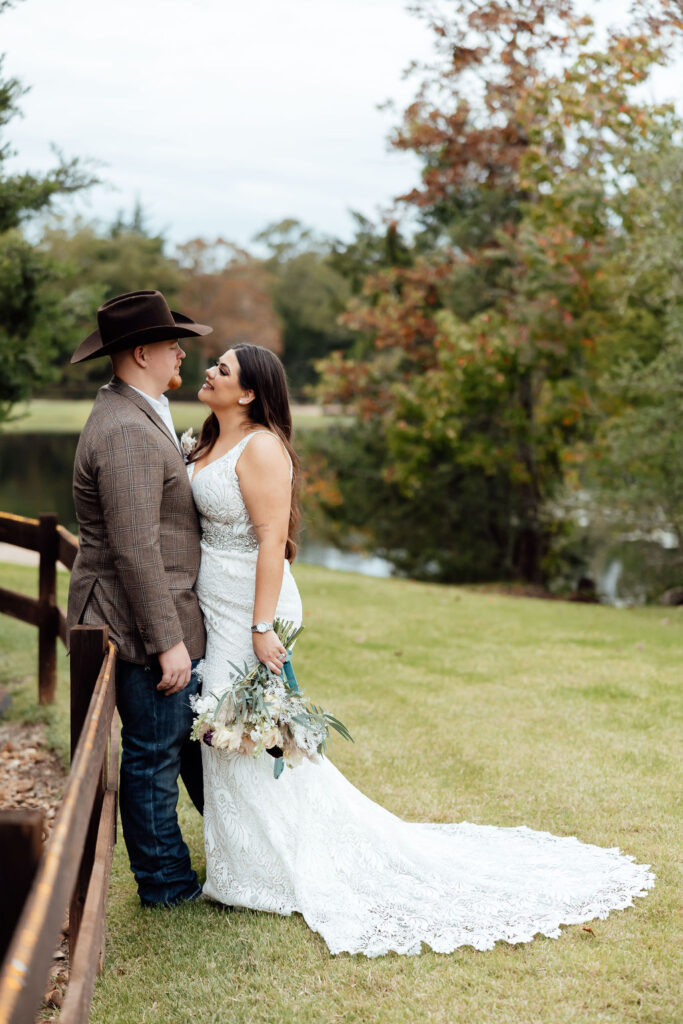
(35, 477)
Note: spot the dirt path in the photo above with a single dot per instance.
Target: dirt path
(31, 776)
(19, 556)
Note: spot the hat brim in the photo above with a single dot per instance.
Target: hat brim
(184, 327)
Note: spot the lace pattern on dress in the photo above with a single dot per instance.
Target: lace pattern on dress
(311, 842)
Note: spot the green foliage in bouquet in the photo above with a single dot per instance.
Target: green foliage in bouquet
(262, 711)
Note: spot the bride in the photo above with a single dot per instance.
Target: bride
(310, 842)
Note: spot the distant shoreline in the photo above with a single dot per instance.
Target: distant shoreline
(67, 416)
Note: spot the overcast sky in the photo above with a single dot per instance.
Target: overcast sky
(220, 116)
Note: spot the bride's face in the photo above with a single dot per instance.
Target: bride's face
(221, 389)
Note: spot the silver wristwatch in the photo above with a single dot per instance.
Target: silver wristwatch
(262, 627)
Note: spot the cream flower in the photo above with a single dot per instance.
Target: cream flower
(293, 756)
(220, 738)
(200, 705)
(188, 442)
(226, 712)
(247, 746)
(273, 706)
(234, 737)
(273, 738)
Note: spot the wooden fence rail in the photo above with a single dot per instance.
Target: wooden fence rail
(72, 871)
(54, 544)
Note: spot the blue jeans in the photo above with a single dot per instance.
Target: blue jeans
(156, 748)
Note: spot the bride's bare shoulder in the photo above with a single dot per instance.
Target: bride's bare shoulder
(265, 450)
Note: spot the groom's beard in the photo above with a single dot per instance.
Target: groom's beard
(175, 382)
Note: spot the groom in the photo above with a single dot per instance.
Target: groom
(135, 571)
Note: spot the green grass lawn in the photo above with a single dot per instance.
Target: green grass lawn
(50, 416)
(19, 662)
(463, 705)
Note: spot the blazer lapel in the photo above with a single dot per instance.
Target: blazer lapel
(123, 389)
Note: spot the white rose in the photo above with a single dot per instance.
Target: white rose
(220, 737)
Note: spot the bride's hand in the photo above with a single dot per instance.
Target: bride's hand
(269, 650)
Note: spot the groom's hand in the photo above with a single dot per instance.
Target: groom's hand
(176, 667)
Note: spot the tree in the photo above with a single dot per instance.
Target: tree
(636, 470)
(33, 322)
(91, 263)
(308, 295)
(226, 287)
(487, 353)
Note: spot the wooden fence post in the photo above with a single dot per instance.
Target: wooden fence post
(21, 847)
(88, 648)
(28, 958)
(48, 629)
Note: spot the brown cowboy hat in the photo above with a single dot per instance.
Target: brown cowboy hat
(135, 318)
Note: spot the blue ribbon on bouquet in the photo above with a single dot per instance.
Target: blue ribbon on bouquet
(288, 674)
(290, 682)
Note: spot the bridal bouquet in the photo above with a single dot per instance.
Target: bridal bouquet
(261, 711)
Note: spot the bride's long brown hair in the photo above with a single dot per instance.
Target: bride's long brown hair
(261, 371)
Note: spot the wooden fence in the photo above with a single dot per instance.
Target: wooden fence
(71, 872)
(54, 544)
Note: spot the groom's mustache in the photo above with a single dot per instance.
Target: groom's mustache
(175, 382)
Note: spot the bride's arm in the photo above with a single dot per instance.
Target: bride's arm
(263, 471)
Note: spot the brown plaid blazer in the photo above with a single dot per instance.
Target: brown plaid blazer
(139, 532)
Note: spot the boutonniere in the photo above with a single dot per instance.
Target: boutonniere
(188, 443)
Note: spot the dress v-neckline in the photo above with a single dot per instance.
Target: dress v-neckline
(225, 454)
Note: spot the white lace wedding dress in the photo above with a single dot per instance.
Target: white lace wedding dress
(310, 842)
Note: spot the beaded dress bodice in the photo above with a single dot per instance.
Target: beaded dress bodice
(224, 518)
(226, 580)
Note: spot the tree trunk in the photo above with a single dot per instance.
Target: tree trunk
(530, 543)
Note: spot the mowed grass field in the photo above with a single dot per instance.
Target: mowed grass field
(463, 705)
(50, 416)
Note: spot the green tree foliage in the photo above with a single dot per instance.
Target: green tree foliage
(308, 294)
(487, 353)
(636, 468)
(33, 321)
(92, 263)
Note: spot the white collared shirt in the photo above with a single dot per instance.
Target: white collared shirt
(162, 408)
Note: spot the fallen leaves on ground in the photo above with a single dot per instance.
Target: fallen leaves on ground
(31, 777)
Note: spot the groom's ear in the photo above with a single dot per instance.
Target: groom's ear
(139, 354)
